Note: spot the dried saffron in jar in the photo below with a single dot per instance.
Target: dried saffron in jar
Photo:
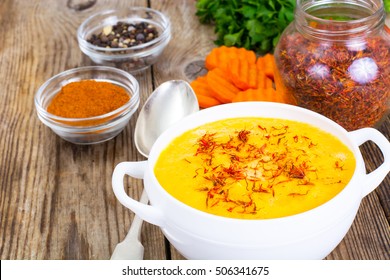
(335, 60)
(87, 98)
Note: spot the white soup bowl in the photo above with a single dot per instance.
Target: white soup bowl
(309, 235)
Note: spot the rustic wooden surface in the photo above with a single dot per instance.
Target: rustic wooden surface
(56, 200)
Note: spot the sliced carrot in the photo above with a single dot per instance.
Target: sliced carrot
(260, 63)
(235, 74)
(212, 59)
(268, 82)
(249, 95)
(220, 57)
(207, 101)
(269, 65)
(259, 94)
(282, 90)
(203, 92)
(238, 73)
(200, 86)
(261, 79)
(254, 76)
(221, 86)
(245, 75)
(247, 55)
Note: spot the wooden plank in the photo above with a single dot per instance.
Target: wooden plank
(370, 231)
(191, 41)
(56, 199)
(373, 158)
(371, 226)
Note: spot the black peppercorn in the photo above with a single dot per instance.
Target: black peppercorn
(124, 35)
(140, 37)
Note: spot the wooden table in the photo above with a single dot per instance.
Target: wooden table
(56, 199)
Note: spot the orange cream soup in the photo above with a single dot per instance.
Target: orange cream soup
(255, 168)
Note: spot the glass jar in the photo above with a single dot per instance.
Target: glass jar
(334, 58)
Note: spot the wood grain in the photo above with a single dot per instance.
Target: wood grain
(56, 199)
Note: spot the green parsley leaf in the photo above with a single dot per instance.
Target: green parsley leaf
(252, 24)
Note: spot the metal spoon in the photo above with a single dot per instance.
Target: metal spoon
(169, 103)
(131, 248)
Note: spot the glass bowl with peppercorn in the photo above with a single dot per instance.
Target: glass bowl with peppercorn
(130, 39)
(88, 105)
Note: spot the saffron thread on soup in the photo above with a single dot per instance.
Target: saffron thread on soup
(255, 167)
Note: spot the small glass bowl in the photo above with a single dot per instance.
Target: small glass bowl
(90, 130)
(131, 59)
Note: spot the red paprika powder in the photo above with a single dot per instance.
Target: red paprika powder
(87, 98)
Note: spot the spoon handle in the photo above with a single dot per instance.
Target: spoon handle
(136, 225)
(131, 247)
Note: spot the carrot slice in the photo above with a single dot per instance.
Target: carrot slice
(203, 92)
(242, 74)
(259, 94)
(212, 59)
(221, 86)
(220, 57)
(269, 65)
(261, 79)
(268, 82)
(282, 90)
(200, 86)
(207, 101)
(260, 63)
(247, 55)
(245, 75)
(236, 74)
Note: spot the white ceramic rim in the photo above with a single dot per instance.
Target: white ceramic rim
(224, 112)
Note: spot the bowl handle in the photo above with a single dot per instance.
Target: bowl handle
(374, 178)
(136, 170)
